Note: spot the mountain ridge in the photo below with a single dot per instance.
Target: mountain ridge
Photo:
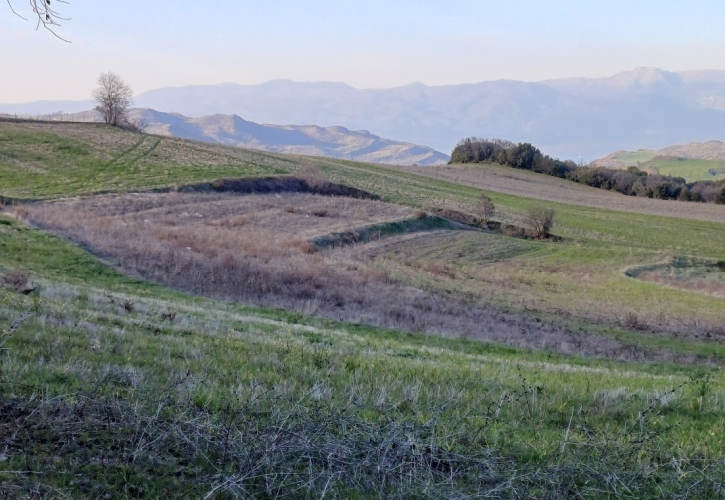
(567, 117)
(333, 141)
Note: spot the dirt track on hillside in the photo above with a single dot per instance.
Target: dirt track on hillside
(544, 187)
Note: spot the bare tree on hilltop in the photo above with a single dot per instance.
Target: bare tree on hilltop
(113, 98)
(45, 14)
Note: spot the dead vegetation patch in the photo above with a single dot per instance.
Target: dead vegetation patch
(253, 249)
(543, 187)
(17, 281)
(686, 273)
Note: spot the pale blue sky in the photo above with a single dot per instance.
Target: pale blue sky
(366, 44)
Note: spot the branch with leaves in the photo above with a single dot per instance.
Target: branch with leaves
(46, 15)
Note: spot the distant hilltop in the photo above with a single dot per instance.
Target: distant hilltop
(570, 118)
(232, 130)
(692, 161)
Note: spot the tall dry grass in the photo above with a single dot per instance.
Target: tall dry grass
(256, 249)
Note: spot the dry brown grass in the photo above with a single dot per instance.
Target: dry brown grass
(17, 281)
(693, 284)
(252, 248)
(544, 187)
(709, 280)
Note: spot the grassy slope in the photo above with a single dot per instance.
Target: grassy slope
(635, 157)
(583, 272)
(691, 169)
(80, 337)
(38, 163)
(79, 332)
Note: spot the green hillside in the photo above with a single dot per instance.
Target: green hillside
(635, 157)
(690, 169)
(112, 386)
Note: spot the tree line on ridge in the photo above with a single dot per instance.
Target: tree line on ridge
(631, 181)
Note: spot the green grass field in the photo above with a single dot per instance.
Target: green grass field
(691, 169)
(113, 387)
(635, 157)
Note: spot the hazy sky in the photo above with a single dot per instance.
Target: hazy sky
(372, 43)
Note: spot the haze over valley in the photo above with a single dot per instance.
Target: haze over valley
(572, 118)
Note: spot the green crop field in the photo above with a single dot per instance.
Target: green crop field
(112, 386)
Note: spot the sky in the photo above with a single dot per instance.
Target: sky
(370, 44)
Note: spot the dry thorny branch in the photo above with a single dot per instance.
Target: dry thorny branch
(264, 447)
(46, 15)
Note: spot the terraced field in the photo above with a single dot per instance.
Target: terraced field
(544, 187)
(113, 384)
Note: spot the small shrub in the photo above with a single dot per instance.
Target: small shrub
(168, 316)
(18, 281)
(541, 220)
(633, 322)
(306, 247)
(421, 214)
(129, 306)
(312, 177)
(320, 213)
(485, 208)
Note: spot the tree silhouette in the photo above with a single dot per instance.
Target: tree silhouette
(113, 98)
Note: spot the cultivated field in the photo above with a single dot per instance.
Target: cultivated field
(261, 249)
(45, 160)
(111, 386)
(130, 368)
(545, 187)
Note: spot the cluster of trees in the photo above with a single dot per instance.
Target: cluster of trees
(632, 181)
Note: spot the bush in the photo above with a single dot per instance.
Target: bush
(18, 281)
(485, 208)
(720, 198)
(541, 220)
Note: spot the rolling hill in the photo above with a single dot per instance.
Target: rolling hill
(231, 130)
(217, 321)
(693, 161)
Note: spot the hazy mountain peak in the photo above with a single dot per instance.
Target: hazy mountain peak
(642, 108)
(646, 77)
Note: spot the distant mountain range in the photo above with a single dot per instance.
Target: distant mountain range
(333, 142)
(567, 118)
